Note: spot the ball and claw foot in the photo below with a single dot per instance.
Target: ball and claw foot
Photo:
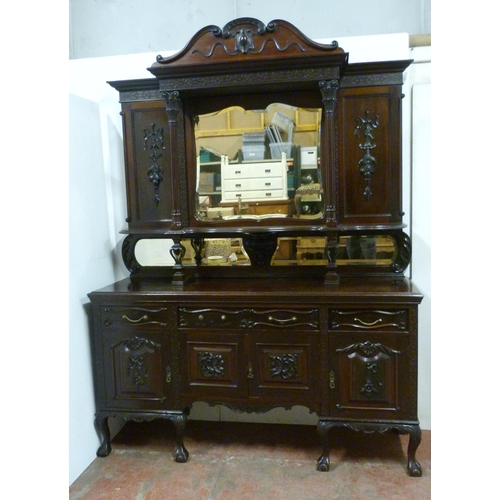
(323, 464)
(181, 455)
(414, 468)
(104, 450)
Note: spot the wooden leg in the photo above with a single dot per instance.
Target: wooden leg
(180, 421)
(323, 464)
(414, 468)
(102, 427)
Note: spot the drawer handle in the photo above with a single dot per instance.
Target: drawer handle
(238, 185)
(282, 321)
(268, 170)
(269, 194)
(200, 317)
(250, 371)
(223, 317)
(142, 318)
(169, 375)
(332, 380)
(268, 183)
(237, 171)
(368, 324)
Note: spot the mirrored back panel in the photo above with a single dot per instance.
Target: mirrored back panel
(256, 164)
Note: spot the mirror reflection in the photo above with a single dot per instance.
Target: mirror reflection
(364, 250)
(258, 164)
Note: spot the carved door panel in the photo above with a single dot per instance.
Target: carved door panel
(369, 155)
(371, 375)
(137, 369)
(137, 357)
(147, 164)
(284, 367)
(213, 365)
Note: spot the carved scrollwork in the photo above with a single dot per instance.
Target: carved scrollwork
(364, 128)
(368, 348)
(128, 254)
(329, 89)
(284, 366)
(211, 365)
(403, 251)
(137, 369)
(153, 139)
(244, 41)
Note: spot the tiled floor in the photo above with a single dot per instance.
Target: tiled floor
(253, 461)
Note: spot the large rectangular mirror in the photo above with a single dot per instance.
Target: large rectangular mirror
(259, 164)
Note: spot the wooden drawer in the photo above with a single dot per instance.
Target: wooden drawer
(134, 316)
(256, 170)
(369, 319)
(253, 184)
(303, 319)
(264, 194)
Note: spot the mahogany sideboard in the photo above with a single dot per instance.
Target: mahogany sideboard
(348, 352)
(290, 291)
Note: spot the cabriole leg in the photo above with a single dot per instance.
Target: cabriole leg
(102, 428)
(323, 463)
(414, 468)
(180, 421)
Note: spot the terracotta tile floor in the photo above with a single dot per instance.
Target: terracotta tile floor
(253, 461)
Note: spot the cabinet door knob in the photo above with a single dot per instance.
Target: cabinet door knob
(250, 371)
(169, 375)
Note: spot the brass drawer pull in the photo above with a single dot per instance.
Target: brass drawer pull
(142, 318)
(282, 321)
(250, 371)
(366, 323)
(169, 375)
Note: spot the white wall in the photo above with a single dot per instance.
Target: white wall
(97, 213)
(92, 258)
(103, 27)
(418, 115)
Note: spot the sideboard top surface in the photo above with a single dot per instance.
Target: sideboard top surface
(307, 291)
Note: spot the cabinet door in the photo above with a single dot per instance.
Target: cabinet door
(373, 373)
(284, 368)
(136, 358)
(370, 155)
(147, 164)
(213, 365)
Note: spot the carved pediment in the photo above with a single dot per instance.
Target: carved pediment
(247, 43)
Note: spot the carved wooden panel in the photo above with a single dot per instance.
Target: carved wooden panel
(278, 44)
(213, 366)
(148, 169)
(369, 155)
(284, 365)
(369, 376)
(138, 374)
